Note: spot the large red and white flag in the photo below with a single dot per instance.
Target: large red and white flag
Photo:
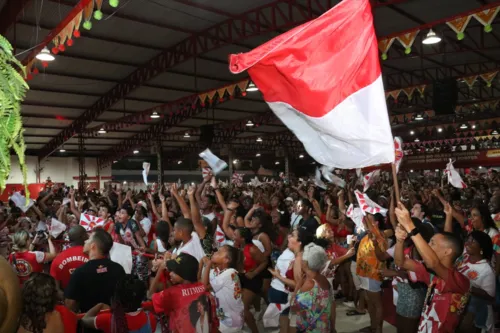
(454, 177)
(323, 81)
(399, 152)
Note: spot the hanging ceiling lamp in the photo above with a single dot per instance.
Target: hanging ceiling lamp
(252, 87)
(154, 115)
(45, 55)
(431, 38)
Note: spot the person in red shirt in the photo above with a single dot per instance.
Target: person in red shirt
(26, 261)
(181, 301)
(70, 259)
(126, 313)
(41, 310)
(448, 291)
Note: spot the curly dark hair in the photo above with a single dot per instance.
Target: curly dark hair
(40, 297)
(194, 315)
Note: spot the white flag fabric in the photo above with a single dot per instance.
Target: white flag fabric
(20, 201)
(356, 215)
(56, 227)
(323, 81)
(454, 177)
(328, 175)
(398, 152)
(89, 222)
(145, 172)
(272, 315)
(318, 181)
(369, 179)
(215, 163)
(122, 254)
(367, 205)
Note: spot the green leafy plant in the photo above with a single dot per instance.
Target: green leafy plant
(13, 89)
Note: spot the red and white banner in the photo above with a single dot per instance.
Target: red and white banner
(323, 81)
(369, 179)
(89, 222)
(367, 205)
(454, 177)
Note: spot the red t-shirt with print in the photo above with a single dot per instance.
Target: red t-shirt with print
(444, 302)
(65, 264)
(135, 320)
(180, 304)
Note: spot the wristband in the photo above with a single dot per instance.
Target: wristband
(414, 232)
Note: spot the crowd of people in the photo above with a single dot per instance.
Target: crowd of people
(214, 258)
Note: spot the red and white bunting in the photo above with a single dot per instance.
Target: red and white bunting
(408, 39)
(459, 25)
(421, 89)
(489, 77)
(89, 222)
(384, 45)
(470, 80)
(369, 179)
(367, 205)
(409, 92)
(486, 17)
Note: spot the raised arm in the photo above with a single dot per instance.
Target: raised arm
(218, 193)
(201, 187)
(153, 206)
(72, 206)
(228, 214)
(448, 224)
(195, 213)
(180, 201)
(428, 255)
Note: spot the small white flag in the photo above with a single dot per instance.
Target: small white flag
(454, 177)
(213, 161)
(317, 180)
(20, 201)
(56, 227)
(145, 172)
(356, 215)
(89, 222)
(122, 254)
(328, 175)
(369, 179)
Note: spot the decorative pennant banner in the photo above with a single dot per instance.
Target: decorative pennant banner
(398, 148)
(213, 161)
(211, 95)
(395, 94)
(87, 15)
(145, 172)
(489, 77)
(243, 87)
(459, 25)
(367, 205)
(421, 89)
(328, 175)
(407, 40)
(89, 222)
(409, 92)
(384, 45)
(470, 80)
(370, 178)
(454, 177)
(486, 17)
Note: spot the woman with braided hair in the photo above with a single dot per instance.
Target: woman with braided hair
(41, 312)
(125, 315)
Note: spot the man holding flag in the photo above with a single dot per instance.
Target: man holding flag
(323, 81)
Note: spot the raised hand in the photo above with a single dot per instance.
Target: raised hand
(403, 216)
(191, 190)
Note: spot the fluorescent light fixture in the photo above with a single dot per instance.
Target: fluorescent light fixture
(463, 126)
(250, 124)
(154, 115)
(136, 151)
(259, 139)
(301, 156)
(252, 87)
(45, 55)
(419, 117)
(431, 38)
(101, 131)
(257, 155)
(187, 135)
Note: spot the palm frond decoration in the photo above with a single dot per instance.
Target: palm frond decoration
(13, 89)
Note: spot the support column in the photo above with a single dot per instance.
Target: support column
(159, 160)
(81, 164)
(98, 174)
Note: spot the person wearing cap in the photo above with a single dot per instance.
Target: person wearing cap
(66, 262)
(176, 301)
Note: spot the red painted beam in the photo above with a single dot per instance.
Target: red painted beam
(10, 13)
(72, 14)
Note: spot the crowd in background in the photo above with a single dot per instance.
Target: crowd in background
(215, 258)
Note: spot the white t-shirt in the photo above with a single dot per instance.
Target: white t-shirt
(481, 276)
(282, 264)
(492, 232)
(146, 226)
(193, 247)
(295, 220)
(226, 287)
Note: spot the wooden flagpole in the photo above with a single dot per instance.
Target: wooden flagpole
(395, 181)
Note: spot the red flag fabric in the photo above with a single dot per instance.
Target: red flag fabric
(323, 80)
